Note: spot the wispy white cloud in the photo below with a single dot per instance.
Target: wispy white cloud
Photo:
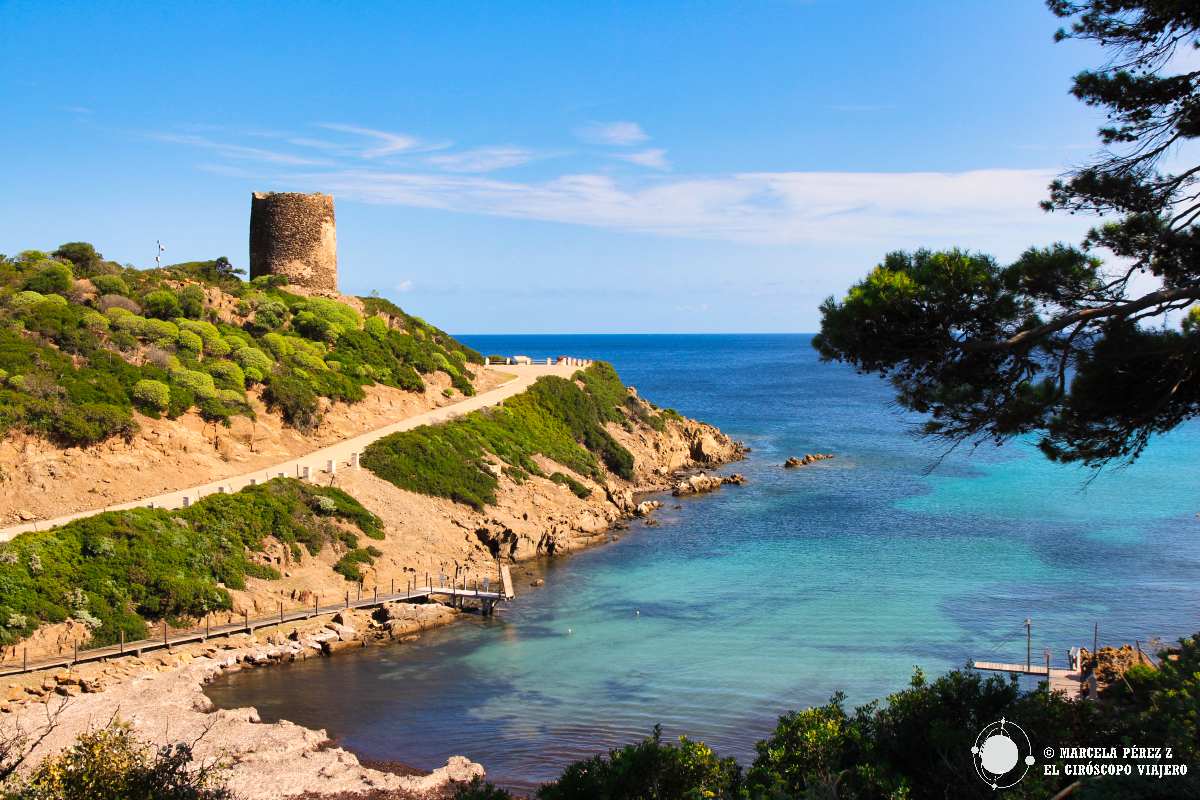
(482, 159)
(620, 134)
(77, 109)
(975, 207)
(978, 208)
(404, 286)
(387, 143)
(654, 158)
(240, 151)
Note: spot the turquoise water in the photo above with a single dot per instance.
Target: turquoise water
(772, 596)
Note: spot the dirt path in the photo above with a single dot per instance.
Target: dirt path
(339, 456)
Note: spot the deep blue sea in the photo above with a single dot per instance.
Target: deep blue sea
(774, 595)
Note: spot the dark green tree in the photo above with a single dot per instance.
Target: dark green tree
(1058, 343)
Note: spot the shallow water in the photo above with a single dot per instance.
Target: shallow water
(758, 599)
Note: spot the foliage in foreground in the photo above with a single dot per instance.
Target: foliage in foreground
(117, 570)
(1056, 344)
(113, 764)
(914, 746)
(85, 342)
(554, 417)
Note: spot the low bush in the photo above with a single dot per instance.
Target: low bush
(191, 301)
(295, 401)
(575, 486)
(161, 304)
(348, 565)
(111, 763)
(153, 395)
(110, 284)
(54, 277)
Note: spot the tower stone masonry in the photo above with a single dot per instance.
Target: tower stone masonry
(294, 235)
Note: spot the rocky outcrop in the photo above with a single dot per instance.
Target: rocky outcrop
(809, 458)
(646, 507)
(701, 483)
(405, 619)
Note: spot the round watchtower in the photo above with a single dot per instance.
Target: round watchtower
(294, 235)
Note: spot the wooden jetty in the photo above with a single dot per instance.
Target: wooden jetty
(1061, 680)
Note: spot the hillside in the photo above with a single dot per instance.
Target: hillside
(181, 371)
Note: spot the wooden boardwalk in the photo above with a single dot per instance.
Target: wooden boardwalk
(1061, 680)
(456, 595)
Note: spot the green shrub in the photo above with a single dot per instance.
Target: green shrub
(348, 565)
(214, 343)
(575, 486)
(253, 358)
(161, 304)
(226, 374)
(151, 394)
(323, 319)
(53, 278)
(110, 763)
(26, 299)
(294, 399)
(269, 315)
(110, 284)
(182, 399)
(159, 331)
(84, 259)
(199, 383)
(191, 301)
(190, 342)
(376, 327)
(94, 320)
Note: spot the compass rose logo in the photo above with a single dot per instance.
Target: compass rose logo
(1002, 754)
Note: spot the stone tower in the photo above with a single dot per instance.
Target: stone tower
(294, 235)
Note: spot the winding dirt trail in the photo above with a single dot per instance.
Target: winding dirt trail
(316, 462)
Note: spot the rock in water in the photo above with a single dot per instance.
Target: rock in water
(809, 458)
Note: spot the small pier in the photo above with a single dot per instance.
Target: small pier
(1071, 681)
(1061, 680)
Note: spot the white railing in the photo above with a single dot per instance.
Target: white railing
(519, 361)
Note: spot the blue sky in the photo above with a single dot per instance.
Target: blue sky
(557, 167)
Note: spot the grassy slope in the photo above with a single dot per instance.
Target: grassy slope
(555, 418)
(119, 569)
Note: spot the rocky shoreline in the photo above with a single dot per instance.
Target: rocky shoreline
(162, 695)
